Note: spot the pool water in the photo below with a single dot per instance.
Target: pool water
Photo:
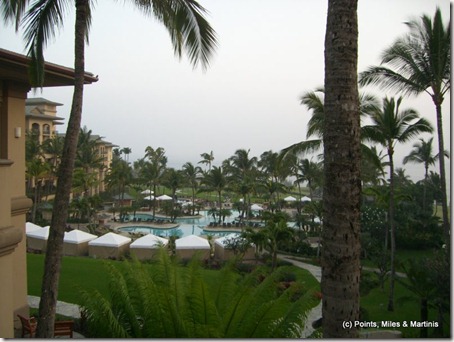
(188, 226)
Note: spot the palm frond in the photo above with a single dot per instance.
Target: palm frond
(187, 27)
(40, 22)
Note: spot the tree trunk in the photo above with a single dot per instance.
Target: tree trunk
(52, 263)
(392, 231)
(424, 317)
(441, 158)
(342, 186)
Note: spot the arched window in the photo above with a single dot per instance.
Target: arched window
(46, 129)
(35, 128)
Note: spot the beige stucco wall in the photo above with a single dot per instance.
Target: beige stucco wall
(13, 206)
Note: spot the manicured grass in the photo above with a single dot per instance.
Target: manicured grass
(376, 304)
(402, 256)
(89, 274)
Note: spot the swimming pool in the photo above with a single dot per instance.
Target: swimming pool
(188, 226)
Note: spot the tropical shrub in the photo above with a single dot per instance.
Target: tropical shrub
(169, 301)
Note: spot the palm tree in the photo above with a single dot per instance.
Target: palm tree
(243, 171)
(310, 172)
(207, 159)
(342, 163)
(215, 180)
(391, 125)
(54, 148)
(314, 102)
(276, 231)
(421, 284)
(37, 170)
(127, 151)
(153, 170)
(422, 154)
(119, 177)
(192, 174)
(420, 62)
(188, 30)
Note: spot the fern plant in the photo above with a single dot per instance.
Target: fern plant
(170, 301)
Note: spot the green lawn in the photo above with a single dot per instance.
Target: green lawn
(88, 273)
(376, 304)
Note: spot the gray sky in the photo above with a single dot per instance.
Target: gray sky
(270, 53)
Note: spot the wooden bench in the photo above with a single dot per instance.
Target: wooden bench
(64, 328)
(61, 328)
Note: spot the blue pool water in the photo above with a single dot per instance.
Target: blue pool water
(188, 226)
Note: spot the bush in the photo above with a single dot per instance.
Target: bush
(369, 281)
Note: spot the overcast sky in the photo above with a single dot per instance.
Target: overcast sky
(269, 54)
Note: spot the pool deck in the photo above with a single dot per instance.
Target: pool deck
(166, 225)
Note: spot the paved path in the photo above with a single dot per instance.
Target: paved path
(63, 308)
(316, 312)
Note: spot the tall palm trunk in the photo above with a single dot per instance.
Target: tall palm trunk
(391, 230)
(441, 157)
(342, 186)
(52, 263)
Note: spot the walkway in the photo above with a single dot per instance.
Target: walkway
(316, 312)
(63, 308)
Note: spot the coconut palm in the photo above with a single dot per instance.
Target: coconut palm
(420, 62)
(422, 153)
(53, 149)
(310, 172)
(243, 171)
(392, 125)
(215, 180)
(314, 102)
(342, 162)
(207, 159)
(188, 30)
(192, 174)
(126, 151)
(37, 171)
(420, 283)
(119, 177)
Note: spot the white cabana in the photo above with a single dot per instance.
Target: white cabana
(29, 227)
(37, 239)
(147, 192)
(149, 198)
(76, 242)
(109, 246)
(290, 199)
(223, 252)
(305, 199)
(164, 198)
(256, 207)
(147, 246)
(187, 246)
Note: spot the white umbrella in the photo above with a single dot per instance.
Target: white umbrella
(290, 199)
(256, 207)
(147, 192)
(164, 198)
(305, 199)
(150, 198)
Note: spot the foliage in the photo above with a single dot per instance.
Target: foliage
(174, 302)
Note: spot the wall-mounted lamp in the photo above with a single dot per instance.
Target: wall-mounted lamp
(17, 132)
